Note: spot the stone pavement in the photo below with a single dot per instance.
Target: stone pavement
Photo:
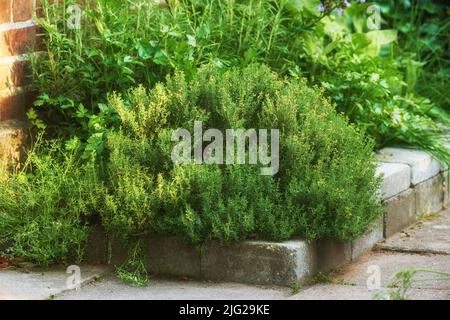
(426, 245)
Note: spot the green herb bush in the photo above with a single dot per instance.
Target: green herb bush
(326, 186)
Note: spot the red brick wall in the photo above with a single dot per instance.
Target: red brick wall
(17, 35)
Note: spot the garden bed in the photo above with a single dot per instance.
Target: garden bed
(116, 90)
(414, 185)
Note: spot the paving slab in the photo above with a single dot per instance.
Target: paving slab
(389, 263)
(369, 239)
(346, 292)
(446, 188)
(160, 289)
(333, 254)
(429, 235)
(42, 284)
(254, 262)
(423, 166)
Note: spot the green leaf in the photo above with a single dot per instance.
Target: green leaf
(312, 6)
(382, 37)
(161, 58)
(146, 49)
(295, 5)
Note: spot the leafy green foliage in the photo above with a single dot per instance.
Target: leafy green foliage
(122, 44)
(370, 88)
(424, 34)
(133, 270)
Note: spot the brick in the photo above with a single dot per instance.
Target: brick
(423, 166)
(17, 41)
(369, 239)
(430, 196)
(396, 179)
(14, 74)
(13, 105)
(22, 10)
(5, 11)
(333, 254)
(399, 212)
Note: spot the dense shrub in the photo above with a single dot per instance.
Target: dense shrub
(325, 187)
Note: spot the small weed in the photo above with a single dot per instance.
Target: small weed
(134, 271)
(321, 278)
(404, 280)
(295, 288)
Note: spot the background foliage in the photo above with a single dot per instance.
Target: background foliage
(375, 82)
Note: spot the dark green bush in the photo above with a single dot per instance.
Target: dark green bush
(326, 186)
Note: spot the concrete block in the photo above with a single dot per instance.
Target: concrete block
(396, 179)
(444, 166)
(400, 212)
(171, 256)
(446, 187)
(260, 262)
(423, 166)
(333, 254)
(96, 250)
(165, 255)
(369, 239)
(430, 196)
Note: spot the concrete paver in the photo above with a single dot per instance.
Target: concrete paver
(112, 289)
(429, 235)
